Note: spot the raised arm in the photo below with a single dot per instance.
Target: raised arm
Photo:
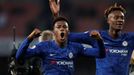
(23, 48)
(100, 51)
(55, 7)
(94, 39)
(82, 37)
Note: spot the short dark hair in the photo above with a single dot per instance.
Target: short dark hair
(114, 8)
(60, 18)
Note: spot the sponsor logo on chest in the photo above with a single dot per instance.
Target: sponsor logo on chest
(118, 52)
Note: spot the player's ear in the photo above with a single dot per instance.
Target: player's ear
(108, 19)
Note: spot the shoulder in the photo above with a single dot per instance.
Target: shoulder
(74, 44)
(45, 43)
(128, 34)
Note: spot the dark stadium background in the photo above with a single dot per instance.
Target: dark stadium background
(83, 15)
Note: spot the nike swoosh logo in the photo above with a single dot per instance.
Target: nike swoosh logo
(105, 43)
(52, 54)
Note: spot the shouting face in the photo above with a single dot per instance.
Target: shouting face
(61, 31)
(116, 20)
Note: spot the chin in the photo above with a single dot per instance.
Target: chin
(62, 40)
(118, 29)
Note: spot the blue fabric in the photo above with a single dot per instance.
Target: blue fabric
(55, 60)
(118, 52)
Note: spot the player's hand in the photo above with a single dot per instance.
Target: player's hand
(35, 33)
(96, 35)
(55, 7)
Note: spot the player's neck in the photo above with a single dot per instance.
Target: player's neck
(61, 44)
(114, 33)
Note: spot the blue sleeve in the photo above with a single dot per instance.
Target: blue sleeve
(86, 39)
(25, 52)
(82, 37)
(89, 51)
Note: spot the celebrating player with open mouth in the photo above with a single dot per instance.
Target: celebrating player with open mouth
(119, 45)
(58, 55)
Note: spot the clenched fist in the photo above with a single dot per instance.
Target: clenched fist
(96, 35)
(35, 33)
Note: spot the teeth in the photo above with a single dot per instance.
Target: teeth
(62, 35)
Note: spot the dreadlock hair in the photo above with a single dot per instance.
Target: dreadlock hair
(114, 8)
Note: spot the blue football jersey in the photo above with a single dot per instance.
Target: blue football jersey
(55, 60)
(118, 52)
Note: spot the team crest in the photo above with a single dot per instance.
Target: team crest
(70, 55)
(124, 43)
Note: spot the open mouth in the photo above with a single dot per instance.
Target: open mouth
(119, 23)
(62, 35)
